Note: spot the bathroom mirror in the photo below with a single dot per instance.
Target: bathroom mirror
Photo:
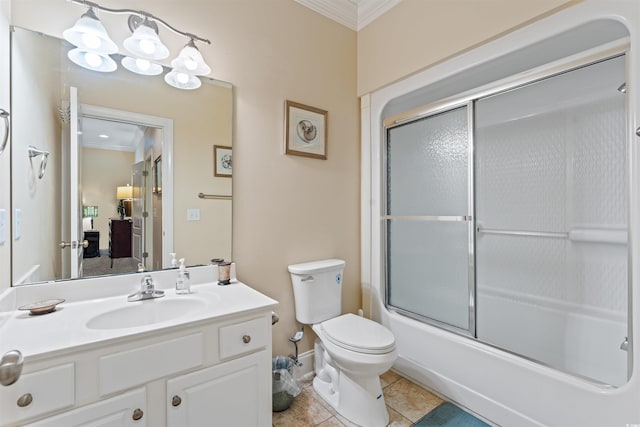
(144, 148)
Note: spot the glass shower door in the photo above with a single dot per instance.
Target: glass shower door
(429, 268)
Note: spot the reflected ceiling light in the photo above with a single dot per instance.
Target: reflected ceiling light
(93, 46)
(145, 43)
(182, 80)
(92, 60)
(141, 66)
(190, 61)
(89, 34)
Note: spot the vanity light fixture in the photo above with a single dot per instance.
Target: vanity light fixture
(93, 47)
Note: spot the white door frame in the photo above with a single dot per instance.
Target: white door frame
(166, 125)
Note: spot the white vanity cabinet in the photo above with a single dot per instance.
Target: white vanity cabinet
(125, 410)
(231, 393)
(215, 372)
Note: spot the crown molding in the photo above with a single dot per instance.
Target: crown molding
(353, 14)
(370, 10)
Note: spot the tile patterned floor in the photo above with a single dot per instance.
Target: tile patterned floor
(406, 402)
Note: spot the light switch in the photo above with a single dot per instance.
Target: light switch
(17, 219)
(3, 226)
(193, 214)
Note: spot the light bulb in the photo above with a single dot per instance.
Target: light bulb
(182, 78)
(147, 46)
(91, 40)
(93, 59)
(190, 64)
(143, 64)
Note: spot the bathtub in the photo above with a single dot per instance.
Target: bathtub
(497, 385)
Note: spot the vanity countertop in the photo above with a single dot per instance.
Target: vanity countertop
(92, 317)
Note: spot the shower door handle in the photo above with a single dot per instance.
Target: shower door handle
(5, 115)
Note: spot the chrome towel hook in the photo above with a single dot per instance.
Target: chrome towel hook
(5, 115)
(35, 152)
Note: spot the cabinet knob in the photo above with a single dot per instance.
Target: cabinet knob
(176, 400)
(25, 400)
(246, 339)
(137, 414)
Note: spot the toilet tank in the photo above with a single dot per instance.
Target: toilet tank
(317, 290)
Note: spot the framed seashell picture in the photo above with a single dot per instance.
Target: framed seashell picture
(305, 131)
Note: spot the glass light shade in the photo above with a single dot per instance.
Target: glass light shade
(190, 61)
(89, 34)
(92, 60)
(89, 211)
(182, 80)
(124, 192)
(145, 43)
(141, 66)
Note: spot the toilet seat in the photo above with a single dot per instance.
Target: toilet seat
(358, 334)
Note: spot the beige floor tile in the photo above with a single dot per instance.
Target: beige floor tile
(388, 378)
(397, 420)
(306, 410)
(346, 422)
(409, 399)
(331, 422)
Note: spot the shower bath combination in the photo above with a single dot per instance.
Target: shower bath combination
(502, 232)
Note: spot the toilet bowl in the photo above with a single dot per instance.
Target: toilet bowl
(350, 351)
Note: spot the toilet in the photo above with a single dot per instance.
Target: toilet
(350, 352)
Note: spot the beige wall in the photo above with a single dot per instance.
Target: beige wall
(35, 121)
(291, 209)
(102, 172)
(418, 33)
(286, 209)
(5, 187)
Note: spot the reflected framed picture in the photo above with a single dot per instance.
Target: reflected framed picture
(222, 161)
(157, 175)
(305, 130)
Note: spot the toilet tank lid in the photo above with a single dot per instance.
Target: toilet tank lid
(315, 267)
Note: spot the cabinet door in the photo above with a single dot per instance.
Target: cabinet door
(234, 393)
(125, 410)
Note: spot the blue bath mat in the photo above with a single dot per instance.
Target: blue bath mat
(449, 415)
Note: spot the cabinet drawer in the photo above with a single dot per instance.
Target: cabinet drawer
(242, 337)
(49, 389)
(129, 368)
(124, 410)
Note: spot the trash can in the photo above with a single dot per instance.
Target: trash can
(285, 387)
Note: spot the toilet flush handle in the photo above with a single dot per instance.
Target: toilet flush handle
(307, 279)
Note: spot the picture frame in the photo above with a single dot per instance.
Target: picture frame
(157, 175)
(305, 130)
(222, 161)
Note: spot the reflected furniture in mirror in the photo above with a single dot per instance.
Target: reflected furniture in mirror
(119, 238)
(42, 78)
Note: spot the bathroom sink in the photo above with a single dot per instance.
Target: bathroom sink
(148, 312)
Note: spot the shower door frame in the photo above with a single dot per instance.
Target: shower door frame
(615, 49)
(432, 110)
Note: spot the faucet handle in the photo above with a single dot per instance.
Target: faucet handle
(146, 283)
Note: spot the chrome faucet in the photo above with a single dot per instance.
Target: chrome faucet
(147, 290)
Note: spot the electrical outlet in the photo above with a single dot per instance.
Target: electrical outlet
(193, 214)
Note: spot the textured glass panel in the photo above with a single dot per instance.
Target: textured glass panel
(427, 166)
(428, 269)
(551, 157)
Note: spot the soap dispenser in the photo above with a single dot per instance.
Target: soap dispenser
(183, 284)
(174, 263)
